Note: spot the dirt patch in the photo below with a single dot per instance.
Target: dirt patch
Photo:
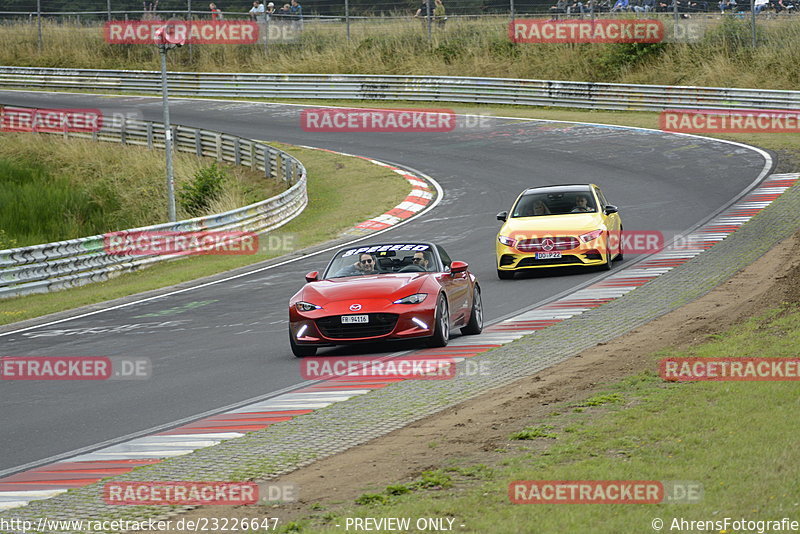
(472, 430)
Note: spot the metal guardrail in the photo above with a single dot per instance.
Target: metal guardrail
(63, 264)
(411, 88)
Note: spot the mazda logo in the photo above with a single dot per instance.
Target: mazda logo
(355, 307)
(547, 244)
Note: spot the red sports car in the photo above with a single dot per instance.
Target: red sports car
(385, 291)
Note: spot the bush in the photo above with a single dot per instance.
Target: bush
(196, 196)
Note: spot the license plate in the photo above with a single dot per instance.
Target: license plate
(349, 319)
(547, 255)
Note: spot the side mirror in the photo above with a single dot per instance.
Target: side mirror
(610, 209)
(313, 276)
(458, 267)
(502, 216)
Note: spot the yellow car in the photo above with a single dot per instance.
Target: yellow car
(558, 226)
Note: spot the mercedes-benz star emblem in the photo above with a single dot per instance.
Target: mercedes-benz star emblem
(355, 307)
(548, 244)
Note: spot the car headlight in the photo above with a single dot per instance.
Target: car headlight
(306, 306)
(591, 235)
(507, 241)
(411, 299)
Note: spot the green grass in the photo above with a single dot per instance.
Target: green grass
(53, 189)
(722, 58)
(343, 191)
(736, 439)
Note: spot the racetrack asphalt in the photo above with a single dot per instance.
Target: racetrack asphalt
(235, 348)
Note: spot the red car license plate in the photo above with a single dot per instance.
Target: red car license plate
(349, 319)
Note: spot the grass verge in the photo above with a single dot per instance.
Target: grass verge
(52, 189)
(361, 190)
(723, 56)
(734, 438)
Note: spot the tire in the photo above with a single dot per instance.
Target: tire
(505, 275)
(620, 257)
(607, 265)
(441, 334)
(475, 324)
(301, 351)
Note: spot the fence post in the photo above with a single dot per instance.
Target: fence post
(39, 21)
(149, 135)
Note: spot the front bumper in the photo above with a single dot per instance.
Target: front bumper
(324, 329)
(587, 255)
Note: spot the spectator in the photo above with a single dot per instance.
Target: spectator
(439, 13)
(621, 5)
(216, 14)
(257, 12)
(150, 11)
(269, 11)
(560, 7)
(423, 10)
(646, 7)
(760, 5)
(296, 10)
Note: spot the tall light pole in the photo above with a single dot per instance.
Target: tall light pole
(166, 42)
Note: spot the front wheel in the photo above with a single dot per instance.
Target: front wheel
(301, 351)
(475, 324)
(607, 265)
(441, 333)
(619, 249)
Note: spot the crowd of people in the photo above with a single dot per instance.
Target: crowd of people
(667, 6)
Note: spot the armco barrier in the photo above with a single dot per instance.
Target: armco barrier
(54, 266)
(413, 88)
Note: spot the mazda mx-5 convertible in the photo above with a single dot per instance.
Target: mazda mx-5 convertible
(385, 292)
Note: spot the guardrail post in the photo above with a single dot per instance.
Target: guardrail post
(267, 164)
(198, 143)
(237, 151)
(219, 147)
(150, 135)
(286, 171)
(123, 131)
(253, 162)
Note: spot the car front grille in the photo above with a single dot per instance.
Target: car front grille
(379, 324)
(533, 262)
(548, 244)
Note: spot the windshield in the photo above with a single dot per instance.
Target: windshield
(554, 203)
(382, 259)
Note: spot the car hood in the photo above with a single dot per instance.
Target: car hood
(390, 286)
(570, 224)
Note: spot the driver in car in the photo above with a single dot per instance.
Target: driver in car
(420, 261)
(582, 205)
(365, 265)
